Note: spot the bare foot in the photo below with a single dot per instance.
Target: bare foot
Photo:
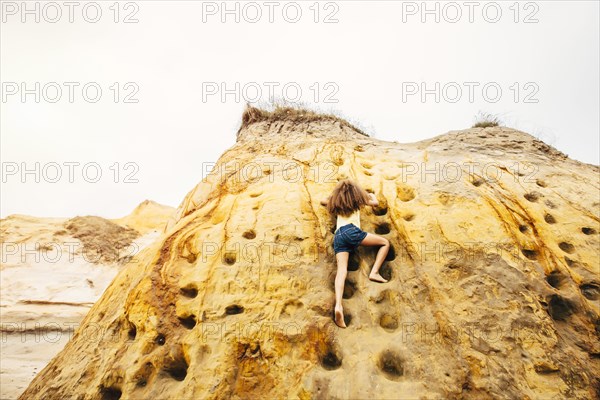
(377, 278)
(339, 317)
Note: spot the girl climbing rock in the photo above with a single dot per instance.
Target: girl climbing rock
(345, 203)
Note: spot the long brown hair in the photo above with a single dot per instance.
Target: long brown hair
(346, 198)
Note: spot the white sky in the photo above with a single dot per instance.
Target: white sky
(365, 56)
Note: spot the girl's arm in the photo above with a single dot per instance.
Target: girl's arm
(373, 200)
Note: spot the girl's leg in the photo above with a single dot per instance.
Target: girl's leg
(340, 280)
(376, 240)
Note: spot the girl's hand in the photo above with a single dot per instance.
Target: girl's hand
(373, 200)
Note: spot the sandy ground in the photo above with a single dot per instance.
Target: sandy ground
(23, 356)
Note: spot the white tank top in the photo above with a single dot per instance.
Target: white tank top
(353, 218)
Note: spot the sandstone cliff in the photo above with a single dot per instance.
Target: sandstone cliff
(493, 290)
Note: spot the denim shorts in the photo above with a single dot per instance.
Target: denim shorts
(347, 238)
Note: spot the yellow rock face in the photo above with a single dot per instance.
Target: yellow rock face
(493, 290)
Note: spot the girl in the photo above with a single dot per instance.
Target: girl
(345, 203)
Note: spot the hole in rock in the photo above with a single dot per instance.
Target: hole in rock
(388, 322)
(477, 182)
(453, 264)
(234, 309)
(386, 271)
(530, 254)
(566, 247)
(249, 234)
(332, 359)
(347, 318)
(533, 196)
(177, 368)
(190, 291)
(353, 263)
(189, 322)
(549, 219)
(110, 393)
(541, 183)
(560, 308)
(229, 258)
(409, 217)
(555, 279)
(391, 255)
(381, 209)
(588, 231)
(160, 339)
(391, 365)
(349, 289)
(132, 332)
(570, 262)
(591, 290)
(523, 228)
(191, 258)
(382, 229)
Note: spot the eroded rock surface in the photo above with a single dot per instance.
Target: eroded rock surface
(493, 291)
